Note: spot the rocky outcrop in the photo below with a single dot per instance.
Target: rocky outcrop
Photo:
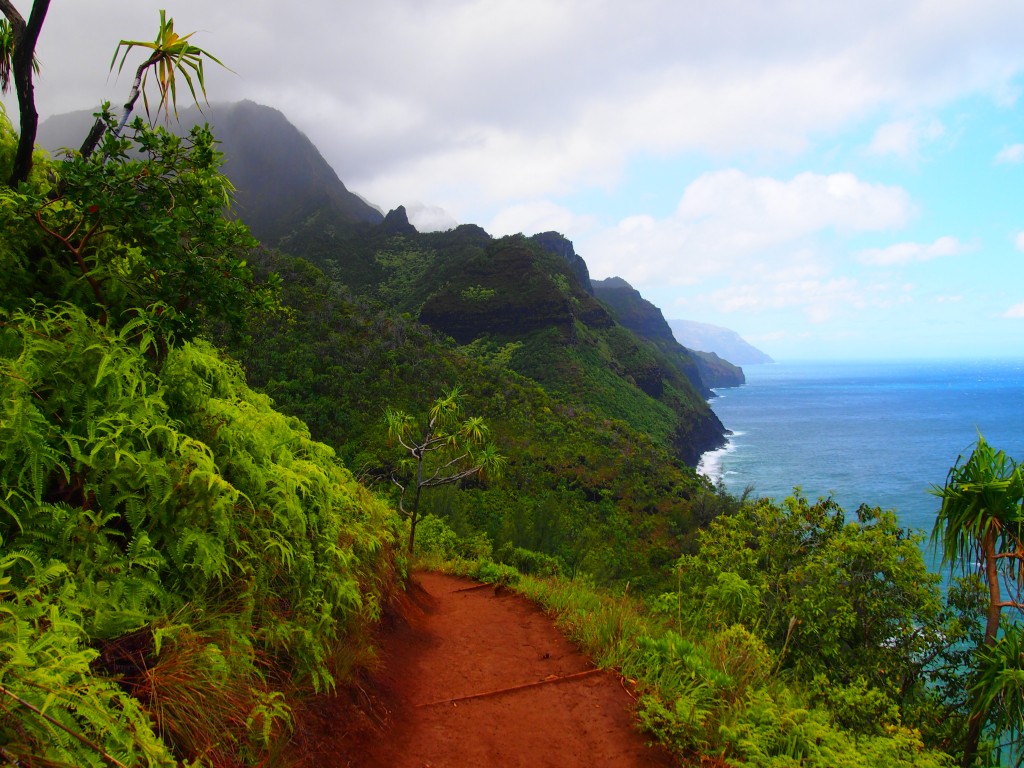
(716, 372)
(721, 341)
(705, 370)
(560, 246)
(504, 295)
(397, 222)
(647, 321)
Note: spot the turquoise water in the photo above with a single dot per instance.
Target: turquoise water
(874, 433)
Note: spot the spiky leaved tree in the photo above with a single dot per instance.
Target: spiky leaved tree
(443, 448)
(170, 54)
(981, 525)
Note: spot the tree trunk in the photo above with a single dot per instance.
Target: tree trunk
(25, 37)
(995, 599)
(988, 553)
(414, 515)
(100, 126)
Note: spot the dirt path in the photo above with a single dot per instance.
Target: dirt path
(457, 640)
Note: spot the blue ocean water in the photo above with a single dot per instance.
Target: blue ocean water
(875, 433)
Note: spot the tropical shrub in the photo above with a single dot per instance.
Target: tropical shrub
(139, 225)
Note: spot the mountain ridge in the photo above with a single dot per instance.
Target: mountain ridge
(707, 370)
(280, 176)
(724, 342)
(533, 293)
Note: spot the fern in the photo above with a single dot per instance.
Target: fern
(52, 709)
(154, 492)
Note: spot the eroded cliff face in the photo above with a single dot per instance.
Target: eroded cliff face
(646, 321)
(716, 372)
(520, 290)
(704, 370)
(561, 246)
(510, 293)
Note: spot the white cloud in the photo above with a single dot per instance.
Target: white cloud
(787, 209)
(739, 243)
(905, 138)
(430, 218)
(730, 222)
(820, 300)
(906, 253)
(1019, 241)
(1011, 154)
(1016, 311)
(539, 216)
(506, 99)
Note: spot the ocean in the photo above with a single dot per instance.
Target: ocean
(880, 433)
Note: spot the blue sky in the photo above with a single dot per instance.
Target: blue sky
(829, 179)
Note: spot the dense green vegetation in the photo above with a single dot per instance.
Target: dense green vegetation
(198, 493)
(178, 557)
(793, 637)
(487, 294)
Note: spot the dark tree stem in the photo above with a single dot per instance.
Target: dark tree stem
(25, 37)
(100, 126)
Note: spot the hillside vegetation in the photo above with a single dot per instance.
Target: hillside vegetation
(591, 492)
(519, 294)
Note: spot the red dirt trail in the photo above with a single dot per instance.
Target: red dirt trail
(454, 638)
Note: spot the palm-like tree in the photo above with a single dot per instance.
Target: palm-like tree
(999, 686)
(981, 525)
(170, 55)
(981, 521)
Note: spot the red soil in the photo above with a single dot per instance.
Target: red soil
(453, 640)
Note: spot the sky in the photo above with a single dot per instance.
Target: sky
(832, 180)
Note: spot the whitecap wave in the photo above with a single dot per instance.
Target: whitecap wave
(711, 464)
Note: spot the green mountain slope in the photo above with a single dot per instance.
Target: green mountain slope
(493, 293)
(705, 370)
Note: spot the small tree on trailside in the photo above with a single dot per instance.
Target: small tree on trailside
(981, 525)
(443, 448)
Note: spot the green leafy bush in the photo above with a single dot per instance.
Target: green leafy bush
(436, 539)
(715, 692)
(529, 562)
(175, 490)
(53, 707)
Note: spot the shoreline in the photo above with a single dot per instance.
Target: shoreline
(711, 463)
